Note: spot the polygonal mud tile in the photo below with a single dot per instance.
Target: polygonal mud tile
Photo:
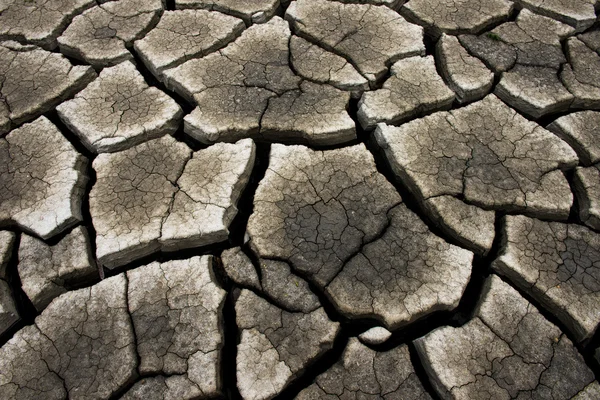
(315, 114)
(82, 344)
(591, 39)
(414, 87)
(176, 310)
(467, 76)
(7, 240)
(33, 81)
(371, 36)
(458, 16)
(48, 271)
(249, 90)
(534, 91)
(582, 131)
(256, 11)
(119, 110)
(100, 36)
(508, 351)
(364, 373)
(161, 195)
(39, 22)
(42, 179)
(559, 265)
(535, 38)
(242, 63)
(240, 269)
(591, 392)
(577, 13)
(587, 188)
(276, 345)
(582, 75)
(374, 336)
(469, 225)
(319, 65)
(485, 152)
(183, 35)
(497, 55)
(176, 387)
(351, 236)
(8, 309)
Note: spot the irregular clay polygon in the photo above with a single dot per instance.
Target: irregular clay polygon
(364, 373)
(587, 188)
(183, 35)
(582, 131)
(508, 351)
(458, 16)
(42, 179)
(485, 152)
(38, 22)
(100, 36)
(33, 81)
(48, 271)
(372, 37)
(176, 310)
(119, 110)
(276, 345)
(7, 240)
(467, 76)
(414, 87)
(256, 11)
(559, 265)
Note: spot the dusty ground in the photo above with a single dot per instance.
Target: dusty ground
(315, 199)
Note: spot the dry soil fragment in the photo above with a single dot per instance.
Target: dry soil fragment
(497, 55)
(315, 114)
(119, 110)
(208, 191)
(535, 91)
(376, 335)
(186, 34)
(577, 13)
(465, 74)
(249, 85)
(160, 195)
(458, 16)
(100, 36)
(276, 345)
(33, 81)
(371, 37)
(414, 87)
(38, 21)
(402, 276)
(250, 11)
(591, 392)
(176, 311)
(29, 363)
(559, 264)
(82, 343)
(317, 64)
(240, 269)
(469, 225)
(364, 373)
(587, 189)
(8, 310)
(591, 39)
(317, 209)
(582, 131)
(486, 152)
(48, 271)
(176, 387)
(508, 351)
(42, 179)
(582, 75)
(7, 239)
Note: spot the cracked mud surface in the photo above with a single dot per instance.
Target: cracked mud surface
(299, 199)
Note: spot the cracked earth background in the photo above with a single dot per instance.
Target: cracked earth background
(312, 199)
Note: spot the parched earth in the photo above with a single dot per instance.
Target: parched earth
(308, 199)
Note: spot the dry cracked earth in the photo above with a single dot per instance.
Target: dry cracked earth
(315, 199)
